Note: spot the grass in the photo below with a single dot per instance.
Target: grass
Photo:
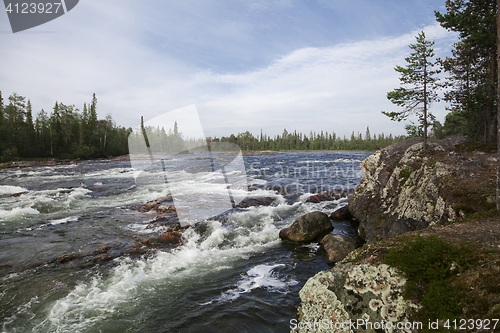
(474, 216)
(430, 265)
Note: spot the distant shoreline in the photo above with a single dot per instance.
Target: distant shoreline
(55, 161)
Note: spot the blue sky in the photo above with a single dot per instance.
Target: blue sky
(246, 65)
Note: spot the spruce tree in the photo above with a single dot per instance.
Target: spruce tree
(420, 80)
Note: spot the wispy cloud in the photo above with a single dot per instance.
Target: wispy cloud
(141, 62)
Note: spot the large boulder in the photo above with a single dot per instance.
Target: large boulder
(307, 227)
(337, 247)
(405, 188)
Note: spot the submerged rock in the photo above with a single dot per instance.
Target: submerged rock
(337, 247)
(307, 227)
(155, 204)
(405, 188)
(18, 194)
(164, 209)
(327, 196)
(252, 202)
(170, 237)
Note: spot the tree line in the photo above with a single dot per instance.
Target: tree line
(65, 132)
(314, 141)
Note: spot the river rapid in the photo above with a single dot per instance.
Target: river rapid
(236, 276)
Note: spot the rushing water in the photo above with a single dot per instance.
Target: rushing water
(236, 276)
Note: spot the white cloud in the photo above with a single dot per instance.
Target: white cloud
(339, 88)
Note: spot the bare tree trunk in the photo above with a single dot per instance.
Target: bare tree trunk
(425, 105)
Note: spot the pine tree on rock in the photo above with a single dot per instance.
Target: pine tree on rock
(420, 83)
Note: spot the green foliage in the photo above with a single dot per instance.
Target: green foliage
(65, 133)
(472, 68)
(10, 154)
(419, 81)
(417, 130)
(429, 264)
(315, 141)
(405, 173)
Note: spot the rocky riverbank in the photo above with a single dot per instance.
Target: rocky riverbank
(405, 203)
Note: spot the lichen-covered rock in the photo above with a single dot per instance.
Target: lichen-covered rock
(346, 297)
(405, 188)
(307, 227)
(337, 247)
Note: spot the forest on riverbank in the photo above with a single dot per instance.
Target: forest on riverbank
(68, 132)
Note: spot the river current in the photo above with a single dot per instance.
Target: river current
(236, 276)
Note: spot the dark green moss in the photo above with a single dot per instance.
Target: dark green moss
(405, 173)
(471, 145)
(431, 162)
(474, 216)
(429, 264)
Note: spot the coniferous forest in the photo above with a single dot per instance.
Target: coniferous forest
(64, 132)
(68, 132)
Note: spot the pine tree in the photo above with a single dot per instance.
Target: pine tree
(29, 132)
(92, 121)
(421, 78)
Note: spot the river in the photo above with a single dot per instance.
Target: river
(236, 276)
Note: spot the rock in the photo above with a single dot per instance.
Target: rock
(252, 202)
(405, 188)
(170, 237)
(307, 227)
(341, 214)
(18, 194)
(164, 209)
(337, 247)
(348, 293)
(327, 196)
(154, 204)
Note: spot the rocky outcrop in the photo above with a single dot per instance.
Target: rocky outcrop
(362, 287)
(336, 247)
(405, 188)
(307, 227)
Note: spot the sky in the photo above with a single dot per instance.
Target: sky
(270, 65)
